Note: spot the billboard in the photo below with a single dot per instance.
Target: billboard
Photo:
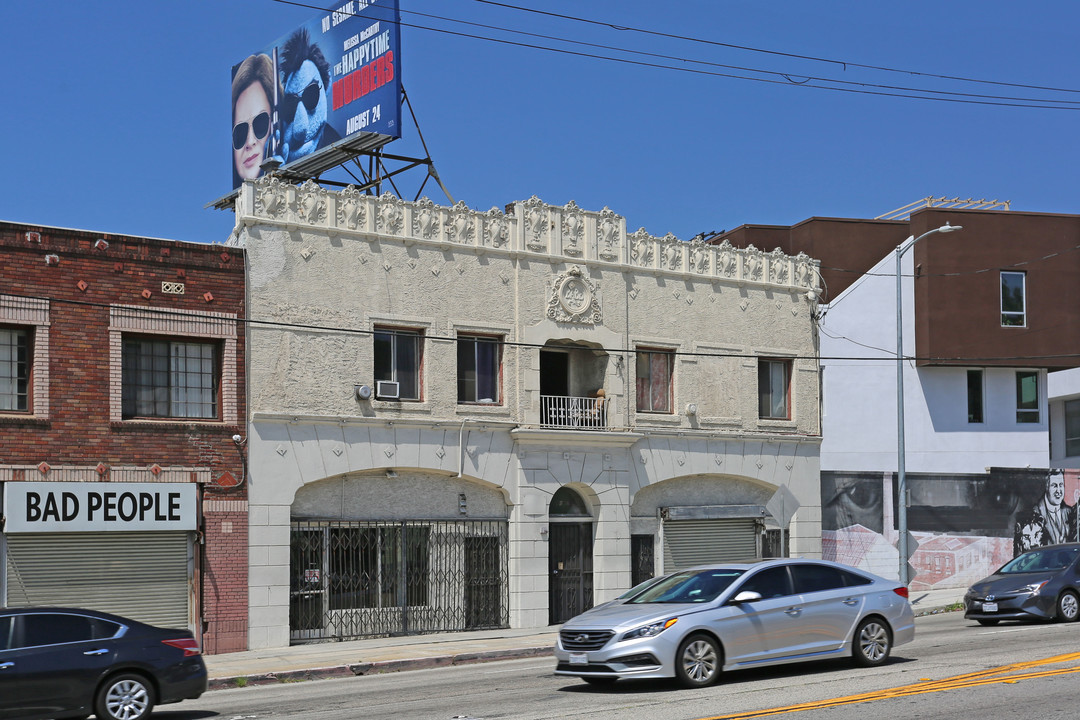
(329, 88)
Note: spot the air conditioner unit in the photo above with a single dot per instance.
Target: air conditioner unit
(387, 390)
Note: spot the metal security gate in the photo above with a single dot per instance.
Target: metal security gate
(642, 566)
(570, 561)
(697, 542)
(146, 576)
(369, 579)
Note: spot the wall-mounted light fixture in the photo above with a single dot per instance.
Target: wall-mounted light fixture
(363, 392)
(544, 533)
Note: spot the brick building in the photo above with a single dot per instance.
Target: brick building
(122, 407)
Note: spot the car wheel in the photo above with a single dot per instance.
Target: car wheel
(697, 664)
(872, 642)
(124, 697)
(987, 622)
(1068, 607)
(600, 681)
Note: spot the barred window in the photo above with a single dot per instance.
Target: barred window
(366, 567)
(14, 369)
(170, 379)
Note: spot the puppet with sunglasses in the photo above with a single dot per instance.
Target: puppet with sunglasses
(306, 79)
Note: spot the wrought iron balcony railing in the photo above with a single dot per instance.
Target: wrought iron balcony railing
(574, 413)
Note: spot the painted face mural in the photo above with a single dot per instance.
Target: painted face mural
(1055, 489)
(304, 111)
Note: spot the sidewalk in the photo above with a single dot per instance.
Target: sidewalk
(380, 655)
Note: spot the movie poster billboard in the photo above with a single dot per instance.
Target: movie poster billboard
(331, 85)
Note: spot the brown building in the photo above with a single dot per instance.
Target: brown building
(990, 313)
(1029, 261)
(121, 428)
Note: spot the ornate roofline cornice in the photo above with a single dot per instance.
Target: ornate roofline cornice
(564, 234)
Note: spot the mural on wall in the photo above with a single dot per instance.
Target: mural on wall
(966, 526)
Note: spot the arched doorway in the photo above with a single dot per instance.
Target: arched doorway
(413, 551)
(570, 556)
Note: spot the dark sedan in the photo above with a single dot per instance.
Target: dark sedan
(68, 663)
(1040, 584)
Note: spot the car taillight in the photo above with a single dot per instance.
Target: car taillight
(190, 646)
(901, 591)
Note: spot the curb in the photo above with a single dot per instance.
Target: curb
(377, 667)
(421, 663)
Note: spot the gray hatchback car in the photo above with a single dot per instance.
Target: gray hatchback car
(695, 623)
(1042, 584)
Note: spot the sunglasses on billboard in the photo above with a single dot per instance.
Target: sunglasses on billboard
(260, 124)
(310, 98)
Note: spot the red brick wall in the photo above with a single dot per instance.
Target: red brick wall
(82, 282)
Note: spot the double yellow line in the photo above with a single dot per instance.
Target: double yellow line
(1004, 674)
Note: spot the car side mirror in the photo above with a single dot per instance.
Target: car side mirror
(746, 596)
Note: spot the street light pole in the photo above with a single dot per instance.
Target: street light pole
(901, 480)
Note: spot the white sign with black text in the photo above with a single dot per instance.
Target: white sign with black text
(99, 507)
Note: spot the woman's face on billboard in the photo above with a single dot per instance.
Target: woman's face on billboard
(251, 124)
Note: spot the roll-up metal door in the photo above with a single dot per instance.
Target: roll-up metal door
(698, 542)
(142, 576)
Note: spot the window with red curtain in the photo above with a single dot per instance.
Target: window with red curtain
(654, 371)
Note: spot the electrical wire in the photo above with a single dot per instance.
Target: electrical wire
(775, 73)
(248, 322)
(883, 91)
(844, 63)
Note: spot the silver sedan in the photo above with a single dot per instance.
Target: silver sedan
(695, 623)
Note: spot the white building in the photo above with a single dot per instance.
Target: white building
(987, 316)
(1064, 392)
(428, 450)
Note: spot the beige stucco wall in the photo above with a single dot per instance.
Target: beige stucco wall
(326, 268)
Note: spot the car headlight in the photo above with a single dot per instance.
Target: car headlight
(651, 630)
(1033, 588)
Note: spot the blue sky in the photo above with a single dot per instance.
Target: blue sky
(116, 113)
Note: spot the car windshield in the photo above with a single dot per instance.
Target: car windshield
(639, 587)
(1041, 560)
(695, 586)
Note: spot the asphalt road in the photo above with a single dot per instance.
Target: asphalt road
(954, 669)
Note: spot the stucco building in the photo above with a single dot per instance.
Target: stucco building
(464, 419)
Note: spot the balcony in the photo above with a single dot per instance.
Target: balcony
(561, 412)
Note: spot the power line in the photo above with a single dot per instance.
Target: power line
(785, 75)
(844, 63)
(187, 314)
(883, 91)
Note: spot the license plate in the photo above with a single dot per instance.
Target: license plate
(989, 607)
(579, 658)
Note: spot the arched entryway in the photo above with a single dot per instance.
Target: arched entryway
(570, 556)
(395, 552)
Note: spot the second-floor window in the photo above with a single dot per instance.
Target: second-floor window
(1027, 396)
(1013, 299)
(478, 358)
(170, 379)
(975, 396)
(654, 371)
(398, 354)
(1072, 428)
(774, 380)
(14, 369)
